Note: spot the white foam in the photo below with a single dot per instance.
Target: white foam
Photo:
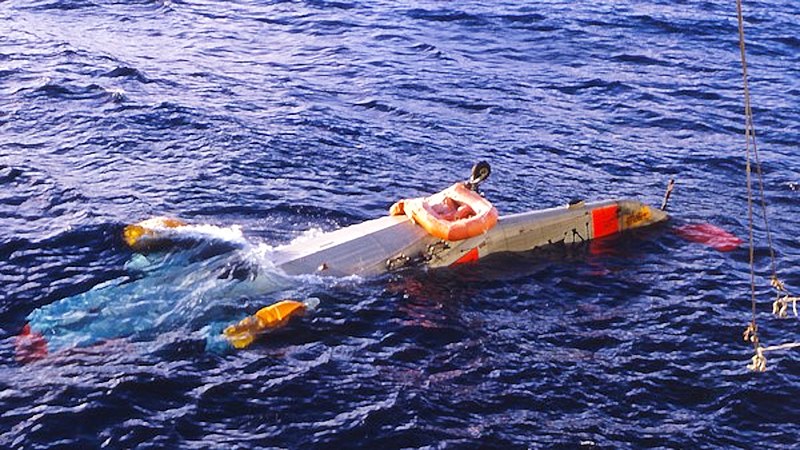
(232, 234)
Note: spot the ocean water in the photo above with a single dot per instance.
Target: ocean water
(275, 120)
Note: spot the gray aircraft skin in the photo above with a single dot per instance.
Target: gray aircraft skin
(388, 243)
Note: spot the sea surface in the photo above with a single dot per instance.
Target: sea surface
(271, 121)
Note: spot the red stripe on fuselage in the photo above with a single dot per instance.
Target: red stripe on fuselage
(605, 221)
(470, 256)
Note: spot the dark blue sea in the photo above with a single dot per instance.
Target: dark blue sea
(276, 120)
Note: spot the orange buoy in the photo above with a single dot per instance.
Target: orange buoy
(454, 214)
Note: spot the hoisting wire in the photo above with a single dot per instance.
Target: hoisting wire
(750, 134)
(780, 305)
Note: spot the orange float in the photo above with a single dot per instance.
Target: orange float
(144, 235)
(273, 316)
(454, 214)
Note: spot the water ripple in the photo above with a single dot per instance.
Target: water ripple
(284, 117)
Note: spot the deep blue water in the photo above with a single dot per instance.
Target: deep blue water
(283, 117)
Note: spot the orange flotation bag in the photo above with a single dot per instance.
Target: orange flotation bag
(245, 332)
(145, 234)
(454, 214)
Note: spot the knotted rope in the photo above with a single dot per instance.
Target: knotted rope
(781, 304)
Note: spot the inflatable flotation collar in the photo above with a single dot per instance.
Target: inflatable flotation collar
(454, 214)
(242, 334)
(145, 234)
